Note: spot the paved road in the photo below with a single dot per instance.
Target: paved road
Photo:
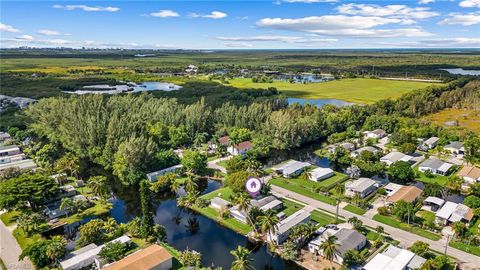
(468, 261)
(10, 250)
(214, 164)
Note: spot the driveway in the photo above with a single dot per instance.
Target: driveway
(10, 250)
(213, 164)
(468, 261)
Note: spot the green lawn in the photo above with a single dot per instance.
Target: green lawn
(176, 265)
(358, 90)
(323, 219)
(435, 179)
(9, 218)
(290, 207)
(224, 193)
(303, 187)
(426, 215)
(475, 250)
(354, 209)
(391, 221)
(23, 240)
(97, 209)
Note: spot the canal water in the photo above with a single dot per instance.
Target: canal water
(320, 102)
(209, 238)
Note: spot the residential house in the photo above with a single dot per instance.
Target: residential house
(319, 174)
(153, 257)
(240, 149)
(433, 203)
(391, 188)
(453, 212)
(470, 174)
(359, 151)
(9, 150)
(409, 194)
(219, 203)
(456, 148)
(191, 69)
(264, 204)
(4, 137)
(435, 166)
(11, 156)
(346, 145)
(291, 168)
(375, 134)
(394, 156)
(394, 258)
(347, 239)
(430, 143)
(362, 186)
(283, 227)
(86, 256)
(153, 176)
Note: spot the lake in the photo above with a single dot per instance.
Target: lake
(125, 88)
(461, 71)
(320, 102)
(212, 240)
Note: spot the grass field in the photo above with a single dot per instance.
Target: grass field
(354, 209)
(354, 90)
(469, 119)
(8, 218)
(409, 228)
(290, 207)
(300, 188)
(435, 179)
(323, 219)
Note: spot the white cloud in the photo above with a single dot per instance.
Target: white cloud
(470, 3)
(424, 2)
(309, 1)
(87, 8)
(462, 19)
(342, 25)
(8, 28)
(392, 11)
(238, 45)
(165, 13)
(25, 37)
(285, 39)
(48, 32)
(215, 15)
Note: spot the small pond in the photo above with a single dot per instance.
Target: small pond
(124, 88)
(319, 102)
(461, 71)
(212, 240)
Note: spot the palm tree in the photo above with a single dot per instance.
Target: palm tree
(110, 225)
(353, 220)
(23, 222)
(306, 175)
(242, 260)
(243, 201)
(67, 205)
(56, 248)
(254, 167)
(459, 229)
(379, 229)
(190, 185)
(175, 186)
(329, 248)
(339, 190)
(98, 185)
(268, 222)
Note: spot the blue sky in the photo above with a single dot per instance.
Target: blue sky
(276, 24)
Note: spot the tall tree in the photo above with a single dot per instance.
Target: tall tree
(330, 248)
(268, 222)
(242, 259)
(99, 185)
(147, 209)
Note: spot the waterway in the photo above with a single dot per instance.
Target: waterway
(209, 238)
(319, 102)
(461, 71)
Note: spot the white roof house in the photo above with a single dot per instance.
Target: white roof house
(284, 226)
(433, 203)
(357, 152)
(347, 239)
(154, 175)
(264, 204)
(362, 186)
(85, 256)
(394, 156)
(453, 212)
(455, 147)
(430, 143)
(219, 203)
(320, 174)
(291, 168)
(435, 166)
(23, 164)
(392, 188)
(394, 258)
(375, 134)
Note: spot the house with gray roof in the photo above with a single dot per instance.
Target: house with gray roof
(435, 166)
(264, 204)
(291, 168)
(359, 151)
(362, 186)
(319, 174)
(347, 239)
(430, 143)
(395, 156)
(283, 227)
(456, 148)
(219, 203)
(375, 134)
